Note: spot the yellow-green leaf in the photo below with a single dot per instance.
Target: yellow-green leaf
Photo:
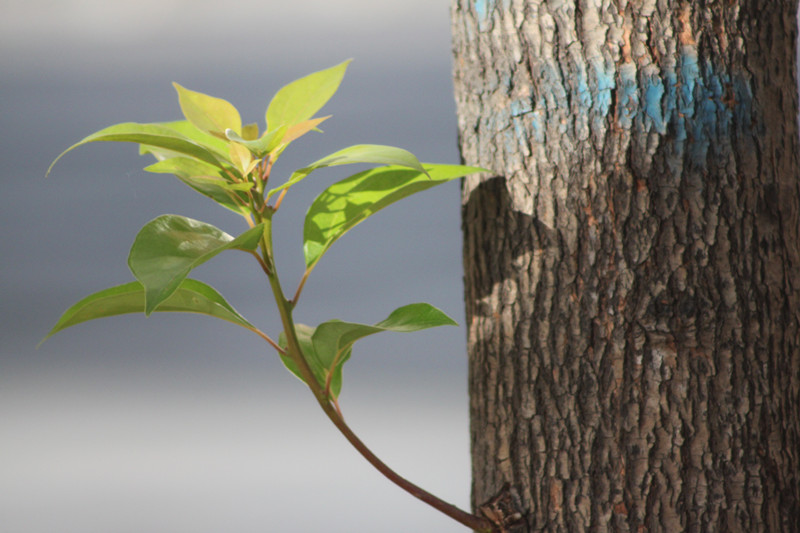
(241, 158)
(301, 99)
(208, 113)
(250, 132)
(156, 135)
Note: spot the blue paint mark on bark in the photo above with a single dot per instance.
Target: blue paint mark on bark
(689, 75)
(653, 95)
(694, 103)
(483, 9)
(582, 90)
(604, 83)
(601, 82)
(628, 97)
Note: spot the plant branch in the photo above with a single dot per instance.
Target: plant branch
(268, 339)
(262, 263)
(477, 523)
(280, 199)
(300, 287)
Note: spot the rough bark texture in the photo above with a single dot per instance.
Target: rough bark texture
(633, 268)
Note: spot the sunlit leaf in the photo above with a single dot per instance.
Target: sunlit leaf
(301, 99)
(215, 145)
(298, 130)
(250, 132)
(149, 134)
(191, 296)
(208, 113)
(170, 246)
(361, 153)
(295, 132)
(346, 203)
(333, 340)
(241, 158)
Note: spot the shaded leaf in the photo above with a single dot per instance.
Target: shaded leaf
(213, 181)
(208, 113)
(206, 179)
(149, 134)
(301, 99)
(333, 340)
(261, 146)
(361, 153)
(304, 334)
(184, 166)
(346, 203)
(191, 296)
(170, 246)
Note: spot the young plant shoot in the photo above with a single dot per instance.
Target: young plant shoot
(231, 163)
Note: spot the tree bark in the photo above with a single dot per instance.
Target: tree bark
(632, 265)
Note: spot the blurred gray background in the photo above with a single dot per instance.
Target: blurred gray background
(183, 423)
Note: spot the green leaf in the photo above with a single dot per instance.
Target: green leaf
(184, 166)
(208, 113)
(206, 179)
(346, 203)
(213, 181)
(327, 347)
(301, 99)
(215, 145)
(304, 334)
(261, 146)
(170, 246)
(361, 153)
(191, 296)
(333, 340)
(150, 134)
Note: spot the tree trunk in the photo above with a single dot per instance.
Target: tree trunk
(632, 269)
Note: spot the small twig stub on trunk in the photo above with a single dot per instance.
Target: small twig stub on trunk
(502, 510)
